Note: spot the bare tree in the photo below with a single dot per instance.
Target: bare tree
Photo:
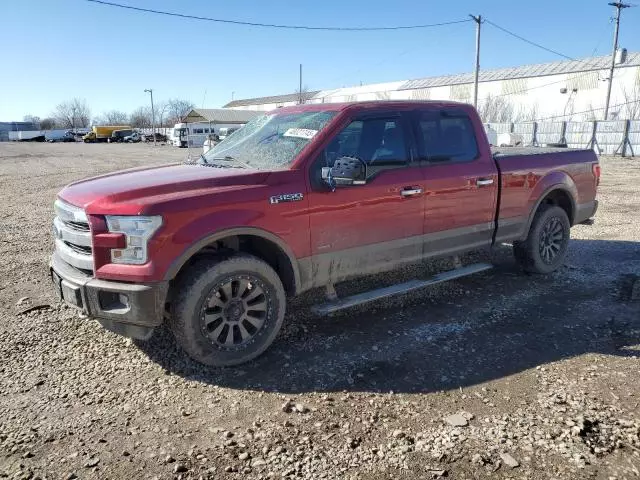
(48, 123)
(495, 109)
(178, 109)
(73, 113)
(303, 95)
(33, 119)
(590, 115)
(141, 117)
(113, 117)
(526, 113)
(162, 109)
(632, 102)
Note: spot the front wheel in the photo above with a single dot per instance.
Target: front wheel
(227, 311)
(545, 248)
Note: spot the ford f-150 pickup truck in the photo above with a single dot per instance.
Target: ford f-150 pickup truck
(305, 197)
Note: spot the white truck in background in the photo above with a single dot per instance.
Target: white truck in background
(194, 134)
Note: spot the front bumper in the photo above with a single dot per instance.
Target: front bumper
(130, 309)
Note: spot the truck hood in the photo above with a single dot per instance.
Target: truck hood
(140, 187)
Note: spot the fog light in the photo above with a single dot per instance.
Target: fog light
(124, 300)
(113, 301)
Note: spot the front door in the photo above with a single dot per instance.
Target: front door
(373, 227)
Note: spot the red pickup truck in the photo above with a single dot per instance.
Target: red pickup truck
(306, 197)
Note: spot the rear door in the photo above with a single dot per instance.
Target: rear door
(366, 228)
(461, 182)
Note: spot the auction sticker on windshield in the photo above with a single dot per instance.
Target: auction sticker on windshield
(305, 133)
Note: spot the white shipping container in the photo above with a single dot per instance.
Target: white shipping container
(25, 135)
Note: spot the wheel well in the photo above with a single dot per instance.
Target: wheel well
(561, 199)
(255, 245)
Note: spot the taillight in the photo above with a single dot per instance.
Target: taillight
(596, 172)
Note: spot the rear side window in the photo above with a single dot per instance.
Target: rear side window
(446, 137)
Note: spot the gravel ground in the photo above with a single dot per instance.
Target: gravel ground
(499, 375)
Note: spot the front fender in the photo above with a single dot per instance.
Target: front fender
(205, 238)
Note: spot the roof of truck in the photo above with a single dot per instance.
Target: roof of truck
(334, 107)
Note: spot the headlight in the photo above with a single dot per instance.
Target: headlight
(138, 231)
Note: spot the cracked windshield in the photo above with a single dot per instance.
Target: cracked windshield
(270, 141)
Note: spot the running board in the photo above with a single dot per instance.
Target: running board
(360, 298)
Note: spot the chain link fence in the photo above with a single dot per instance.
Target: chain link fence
(616, 137)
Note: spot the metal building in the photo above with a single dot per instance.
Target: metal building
(564, 90)
(6, 127)
(271, 103)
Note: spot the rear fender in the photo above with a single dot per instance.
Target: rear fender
(553, 181)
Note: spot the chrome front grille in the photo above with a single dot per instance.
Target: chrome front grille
(81, 227)
(79, 248)
(72, 236)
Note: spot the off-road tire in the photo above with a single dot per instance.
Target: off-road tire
(529, 253)
(194, 286)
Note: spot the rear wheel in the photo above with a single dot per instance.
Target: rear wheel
(227, 311)
(545, 248)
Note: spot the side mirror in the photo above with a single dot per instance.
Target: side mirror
(345, 171)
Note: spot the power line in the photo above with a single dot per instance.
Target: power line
(524, 40)
(275, 25)
(375, 65)
(585, 111)
(564, 80)
(601, 38)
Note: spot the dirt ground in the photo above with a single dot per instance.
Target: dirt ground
(499, 375)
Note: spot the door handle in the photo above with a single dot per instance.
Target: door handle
(483, 182)
(410, 192)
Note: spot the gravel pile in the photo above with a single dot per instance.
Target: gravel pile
(500, 375)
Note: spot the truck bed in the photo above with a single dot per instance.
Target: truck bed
(520, 151)
(526, 173)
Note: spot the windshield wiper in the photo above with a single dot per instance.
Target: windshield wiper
(229, 158)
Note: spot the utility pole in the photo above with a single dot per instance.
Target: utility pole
(153, 116)
(478, 21)
(619, 6)
(300, 87)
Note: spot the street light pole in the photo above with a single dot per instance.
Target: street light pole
(153, 116)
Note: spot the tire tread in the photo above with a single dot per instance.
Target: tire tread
(526, 252)
(184, 301)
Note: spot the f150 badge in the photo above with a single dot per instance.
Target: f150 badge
(286, 197)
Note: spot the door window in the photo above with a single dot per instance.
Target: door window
(446, 137)
(377, 142)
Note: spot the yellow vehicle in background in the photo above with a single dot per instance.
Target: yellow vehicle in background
(103, 133)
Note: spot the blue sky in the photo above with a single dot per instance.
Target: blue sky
(56, 50)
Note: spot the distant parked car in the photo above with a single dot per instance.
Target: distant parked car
(159, 137)
(133, 138)
(80, 132)
(118, 136)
